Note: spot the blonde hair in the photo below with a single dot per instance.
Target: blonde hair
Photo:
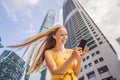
(48, 43)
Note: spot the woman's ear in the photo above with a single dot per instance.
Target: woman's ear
(54, 36)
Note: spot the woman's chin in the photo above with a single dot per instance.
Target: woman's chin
(63, 43)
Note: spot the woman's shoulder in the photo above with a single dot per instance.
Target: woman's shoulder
(48, 51)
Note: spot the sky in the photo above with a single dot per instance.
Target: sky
(21, 19)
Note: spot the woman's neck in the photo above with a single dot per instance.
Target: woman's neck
(59, 47)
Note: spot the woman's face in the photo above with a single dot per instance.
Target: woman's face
(61, 36)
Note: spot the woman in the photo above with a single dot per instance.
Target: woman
(63, 64)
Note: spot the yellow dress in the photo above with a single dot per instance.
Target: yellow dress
(59, 60)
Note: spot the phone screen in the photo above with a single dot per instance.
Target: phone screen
(82, 44)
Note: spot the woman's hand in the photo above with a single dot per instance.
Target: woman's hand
(77, 52)
(86, 49)
(78, 55)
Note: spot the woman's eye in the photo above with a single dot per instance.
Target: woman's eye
(63, 35)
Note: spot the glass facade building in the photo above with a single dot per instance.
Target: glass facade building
(101, 62)
(11, 66)
(48, 20)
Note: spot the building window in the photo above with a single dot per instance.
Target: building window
(96, 61)
(93, 54)
(100, 42)
(92, 47)
(101, 59)
(90, 43)
(89, 39)
(89, 24)
(94, 32)
(85, 66)
(109, 78)
(91, 75)
(84, 60)
(97, 52)
(87, 57)
(82, 78)
(103, 69)
(96, 35)
(90, 64)
(98, 39)
(92, 29)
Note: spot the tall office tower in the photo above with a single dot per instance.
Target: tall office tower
(101, 62)
(11, 66)
(47, 23)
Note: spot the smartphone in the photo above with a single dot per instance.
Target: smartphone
(82, 43)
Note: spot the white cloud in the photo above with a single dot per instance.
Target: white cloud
(105, 14)
(16, 9)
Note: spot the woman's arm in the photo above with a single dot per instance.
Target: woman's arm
(52, 65)
(77, 66)
(78, 61)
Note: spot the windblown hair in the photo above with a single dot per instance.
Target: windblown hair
(48, 42)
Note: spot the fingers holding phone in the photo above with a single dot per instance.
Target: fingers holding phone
(86, 49)
(76, 52)
(83, 45)
(81, 50)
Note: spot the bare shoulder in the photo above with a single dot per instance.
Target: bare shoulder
(47, 52)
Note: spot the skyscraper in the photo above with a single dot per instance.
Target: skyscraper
(101, 62)
(47, 23)
(11, 66)
(48, 20)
